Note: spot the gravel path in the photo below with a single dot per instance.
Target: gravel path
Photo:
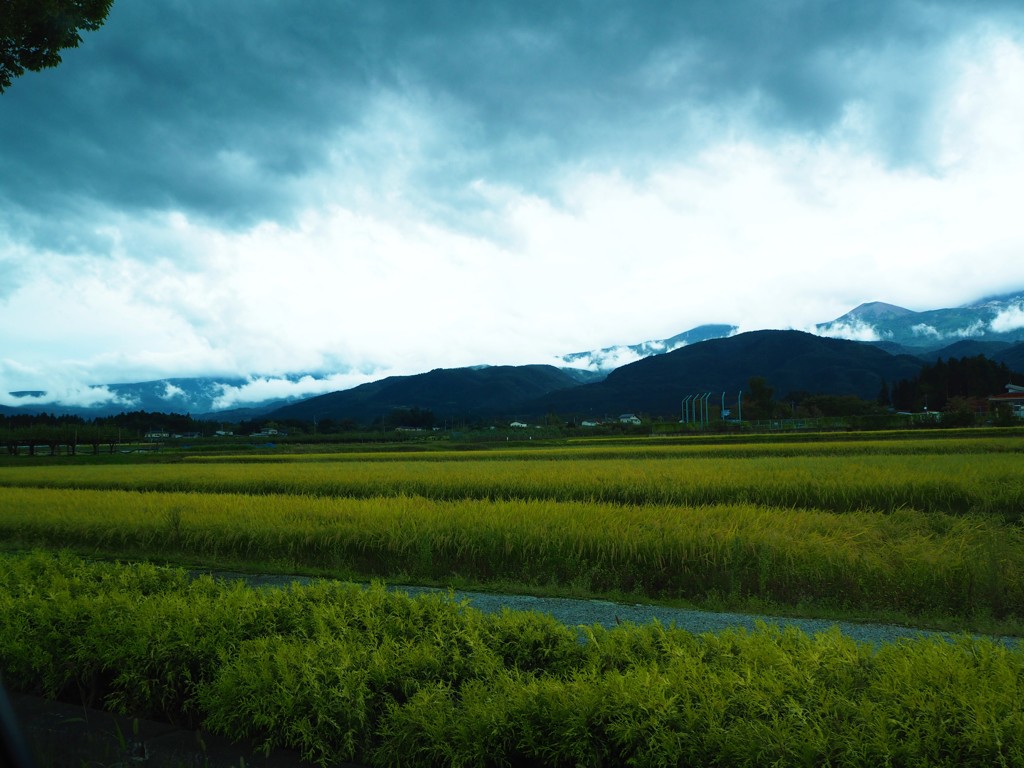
(574, 612)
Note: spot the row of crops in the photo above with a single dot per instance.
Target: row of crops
(909, 562)
(977, 482)
(344, 673)
(918, 528)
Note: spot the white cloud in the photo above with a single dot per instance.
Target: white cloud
(977, 328)
(975, 120)
(923, 329)
(72, 395)
(259, 389)
(171, 391)
(1009, 319)
(856, 330)
(616, 357)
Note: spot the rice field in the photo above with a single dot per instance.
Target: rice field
(951, 483)
(911, 527)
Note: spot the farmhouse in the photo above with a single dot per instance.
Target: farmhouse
(1013, 397)
(629, 418)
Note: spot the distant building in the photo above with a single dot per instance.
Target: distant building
(1013, 397)
(518, 425)
(629, 418)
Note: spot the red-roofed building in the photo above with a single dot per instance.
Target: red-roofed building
(1013, 397)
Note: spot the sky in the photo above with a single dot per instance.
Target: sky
(265, 188)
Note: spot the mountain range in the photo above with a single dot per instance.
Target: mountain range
(852, 354)
(993, 319)
(788, 360)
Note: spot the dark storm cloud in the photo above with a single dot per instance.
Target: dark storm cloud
(207, 107)
(221, 108)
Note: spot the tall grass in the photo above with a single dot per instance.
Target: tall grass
(907, 561)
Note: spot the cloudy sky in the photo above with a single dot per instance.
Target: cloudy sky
(349, 189)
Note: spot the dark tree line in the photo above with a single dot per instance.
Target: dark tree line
(133, 423)
(759, 404)
(68, 432)
(937, 384)
(18, 421)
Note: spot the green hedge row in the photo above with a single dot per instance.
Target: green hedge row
(346, 673)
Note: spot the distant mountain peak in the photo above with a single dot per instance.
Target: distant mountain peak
(996, 318)
(875, 310)
(610, 358)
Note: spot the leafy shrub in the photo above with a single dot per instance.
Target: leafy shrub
(344, 673)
